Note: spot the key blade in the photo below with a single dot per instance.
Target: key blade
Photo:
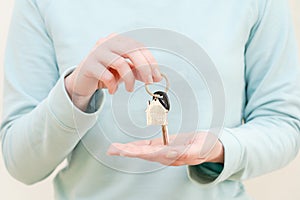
(165, 133)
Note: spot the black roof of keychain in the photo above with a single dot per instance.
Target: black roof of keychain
(161, 95)
(163, 99)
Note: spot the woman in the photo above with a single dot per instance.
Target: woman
(55, 111)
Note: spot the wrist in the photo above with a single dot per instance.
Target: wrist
(68, 85)
(217, 153)
(79, 101)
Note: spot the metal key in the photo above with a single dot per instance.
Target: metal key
(166, 104)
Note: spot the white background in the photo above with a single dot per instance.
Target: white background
(282, 184)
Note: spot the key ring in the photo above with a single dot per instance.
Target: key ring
(166, 89)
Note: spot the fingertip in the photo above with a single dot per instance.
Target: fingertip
(129, 89)
(157, 77)
(149, 79)
(112, 150)
(111, 91)
(113, 87)
(130, 85)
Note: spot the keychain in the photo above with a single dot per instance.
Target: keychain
(158, 108)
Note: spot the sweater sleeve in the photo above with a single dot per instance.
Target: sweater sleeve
(269, 139)
(40, 124)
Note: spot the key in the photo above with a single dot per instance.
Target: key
(166, 104)
(157, 111)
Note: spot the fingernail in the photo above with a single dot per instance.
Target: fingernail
(157, 74)
(172, 154)
(112, 150)
(130, 89)
(150, 80)
(110, 91)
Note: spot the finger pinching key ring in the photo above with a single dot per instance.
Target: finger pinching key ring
(158, 108)
(166, 89)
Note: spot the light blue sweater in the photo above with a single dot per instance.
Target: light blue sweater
(252, 45)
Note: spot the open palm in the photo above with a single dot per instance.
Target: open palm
(184, 149)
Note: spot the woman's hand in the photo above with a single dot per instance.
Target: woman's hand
(114, 59)
(184, 149)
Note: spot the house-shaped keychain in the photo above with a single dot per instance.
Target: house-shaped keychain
(156, 113)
